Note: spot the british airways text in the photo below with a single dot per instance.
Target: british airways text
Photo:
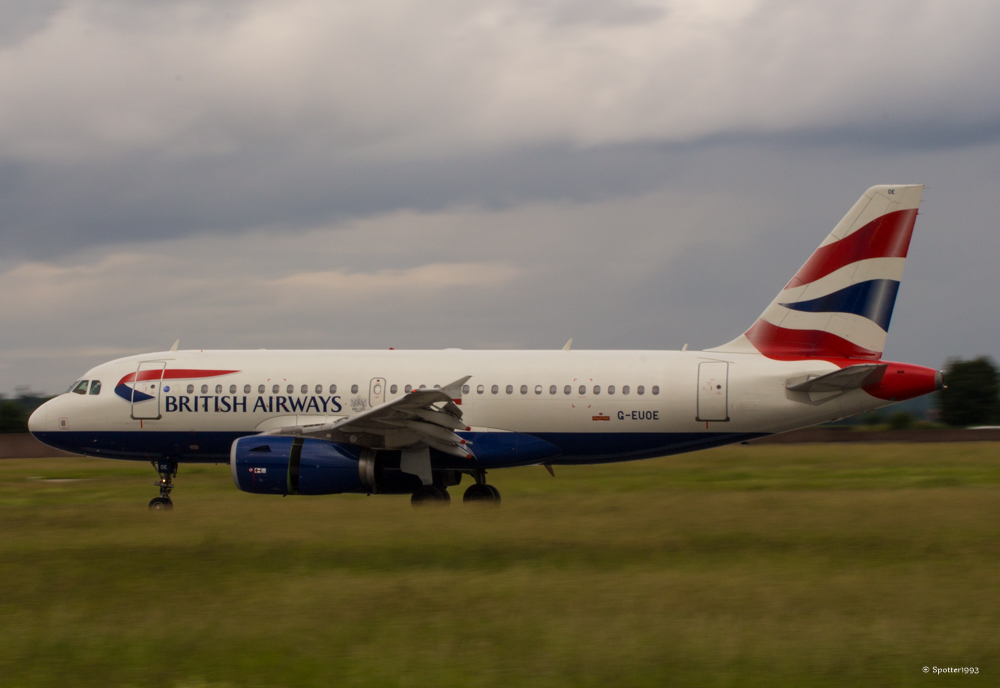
(233, 404)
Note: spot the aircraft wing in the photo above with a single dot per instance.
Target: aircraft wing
(851, 377)
(423, 416)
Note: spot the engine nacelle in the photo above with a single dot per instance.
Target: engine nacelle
(269, 464)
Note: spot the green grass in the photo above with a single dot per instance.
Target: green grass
(795, 565)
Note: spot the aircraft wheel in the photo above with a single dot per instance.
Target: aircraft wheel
(430, 493)
(481, 493)
(160, 504)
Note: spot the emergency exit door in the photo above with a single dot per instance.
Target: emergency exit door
(376, 391)
(713, 391)
(146, 390)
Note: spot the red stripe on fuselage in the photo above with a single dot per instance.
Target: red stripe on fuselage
(174, 374)
(885, 237)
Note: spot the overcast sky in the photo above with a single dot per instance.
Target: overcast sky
(499, 174)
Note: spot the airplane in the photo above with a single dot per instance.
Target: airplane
(417, 422)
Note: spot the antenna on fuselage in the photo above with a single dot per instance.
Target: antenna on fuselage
(685, 347)
(568, 344)
(177, 343)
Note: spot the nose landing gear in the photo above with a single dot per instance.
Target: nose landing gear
(166, 470)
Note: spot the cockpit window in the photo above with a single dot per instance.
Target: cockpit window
(95, 386)
(80, 387)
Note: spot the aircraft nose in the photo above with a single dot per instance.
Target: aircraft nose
(38, 420)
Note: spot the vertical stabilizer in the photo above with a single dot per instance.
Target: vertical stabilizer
(839, 304)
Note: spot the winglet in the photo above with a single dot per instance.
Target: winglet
(568, 345)
(177, 343)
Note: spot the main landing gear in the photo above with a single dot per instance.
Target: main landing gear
(166, 470)
(430, 493)
(479, 492)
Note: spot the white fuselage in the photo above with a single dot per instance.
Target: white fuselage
(582, 401)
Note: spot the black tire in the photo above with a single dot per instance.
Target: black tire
(476, 493)
(430, 493)
(481, 493)
(496, 494)
(160, 504)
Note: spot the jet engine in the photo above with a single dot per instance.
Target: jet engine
(266, 464)
(271, 464)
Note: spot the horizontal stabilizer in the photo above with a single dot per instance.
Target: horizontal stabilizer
(851, 377)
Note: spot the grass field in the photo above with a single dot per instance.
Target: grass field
(795, 565)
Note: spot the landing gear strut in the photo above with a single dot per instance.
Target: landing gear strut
(166, 470)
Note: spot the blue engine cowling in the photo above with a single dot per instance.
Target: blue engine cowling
(268, 464)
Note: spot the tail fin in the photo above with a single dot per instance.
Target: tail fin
(838, 305)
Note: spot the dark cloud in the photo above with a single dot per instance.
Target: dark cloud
(634, 175)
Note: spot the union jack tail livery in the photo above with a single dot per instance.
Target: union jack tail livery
(839, 304)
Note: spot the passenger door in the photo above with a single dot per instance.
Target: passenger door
(713, 391)
(146, 390)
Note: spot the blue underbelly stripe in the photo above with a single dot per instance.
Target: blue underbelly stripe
(492, 449)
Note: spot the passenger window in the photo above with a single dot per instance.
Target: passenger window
(204, 389)
(218, 389)
(333, 389)
(583, 390)
(95, 386)
(656, 389)
(423, 387)
(524, 389)
(260, 389)
(480, 389)
(354, 389)
(190, 389)
(246, 389)
(552, 389)
(510, 389)
(232, 389)
(319, 389)
(495, 389)
(465, 389)
(408, 389)
(538, 389)
(640, 390)
(625, 389)
(611, 389)
(304, 390)
(597, 389)
(392, 390)
(289, 389)
(275, 389)
(567, 390)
